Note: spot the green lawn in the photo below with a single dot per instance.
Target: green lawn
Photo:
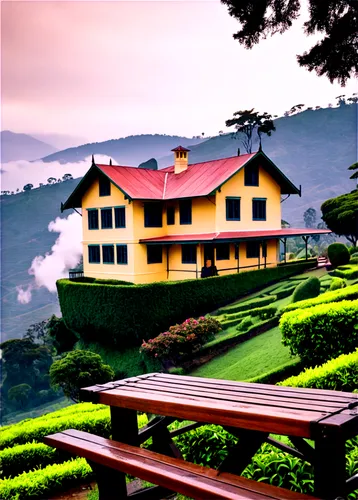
(253, 358)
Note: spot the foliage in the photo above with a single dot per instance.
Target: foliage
(249, 121)
(341, 215)
(63, 338)
(110, 314)
(181, 340)
(353, 250)
(25, 457)
(250, 304)
(346, 272)
(354, 167)
(338, 254)
(319, 333)
(28, 187)
(41, 482)
(20, 393)
(349, 293)
(339, 374)
(354, 258)
(337, 283)
(244, 324)
(308, 289)
(150, 164)
(334, 55)
(310, 217)
(79, 369)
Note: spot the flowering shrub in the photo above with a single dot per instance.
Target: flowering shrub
(181, 340)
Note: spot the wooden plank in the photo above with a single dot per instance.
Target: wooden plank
(252, 385)
(186, 478)
(289, 422)
(239, 398)
(345, 396)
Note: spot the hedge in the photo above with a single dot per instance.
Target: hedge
(346, 272)
(339, 374)
(250, 304)
(337, 283)
(349, 293)
(265, 312)
(125, 315)
(322, 332)
(25, 457)
(338, 254)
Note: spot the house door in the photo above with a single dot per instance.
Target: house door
(209, 253)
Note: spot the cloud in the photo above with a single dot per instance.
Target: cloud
(15, 174)
(65, 254)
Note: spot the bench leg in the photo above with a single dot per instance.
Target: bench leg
(240, 456)
(330, 467)
(124, 424)
(111, 483)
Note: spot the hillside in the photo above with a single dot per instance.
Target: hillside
(130, 150)
(25, 218)
(313, 148)
(22, 147)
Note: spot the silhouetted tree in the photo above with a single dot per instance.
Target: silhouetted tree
(67, 177)
(247, 123)
(310, 217)
(334, 55)
(51, 180)
(341, 215)
(28, 187)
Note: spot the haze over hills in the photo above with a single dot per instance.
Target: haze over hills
(313, 148)
(130, 151)
(60, 141)
(22, 147)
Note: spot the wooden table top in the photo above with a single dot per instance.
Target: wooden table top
(260, 407)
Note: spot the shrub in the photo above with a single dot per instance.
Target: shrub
(337, 283)
(347, 272)
(349, 293)
(354, 259)
(353, 250)
(246, 305)
(110, 314)
(322, 332)
(79, 369)
(339, 374)
(264, 312)
(63, 338)
(235, 319)
(285, 291)
(308, 289)
(25, 457)
(338, 254)
(245, 324)
(181, 340)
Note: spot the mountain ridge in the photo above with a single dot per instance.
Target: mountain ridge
(19, 146)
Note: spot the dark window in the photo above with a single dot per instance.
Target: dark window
(106, 218)
(232, 208)
(223, 251)
(252, 249)
(154, 254)
(153, 215)
(92, 219)
(252, 175)
(188, 254)
(185, 211)
(122, 254)
(104, 186)
(120, 217)
(108, 254)
(170, 216)
(258, 209)
(94, 256)
(236, 251)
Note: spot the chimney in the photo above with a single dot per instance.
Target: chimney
(180, 159)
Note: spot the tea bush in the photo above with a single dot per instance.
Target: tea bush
(25, 457)
(181, 340)
(339, 374)
(308, 289)
(322, 332)
(349, 293)
(338, 254)
(337, 283)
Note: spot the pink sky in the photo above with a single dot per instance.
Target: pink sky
(105, 70)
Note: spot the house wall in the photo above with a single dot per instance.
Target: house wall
(267, 188)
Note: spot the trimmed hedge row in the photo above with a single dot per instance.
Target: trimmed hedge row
(347, 272)
(339, 374)
(265, 312)
(322, 332)
(125, 315)
(348, 293)
(255, 303)
(25, 457)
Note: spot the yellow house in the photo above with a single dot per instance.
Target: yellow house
(142, 225)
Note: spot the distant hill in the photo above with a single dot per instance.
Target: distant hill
(22, 147)
(25, 218)
(313, 148)
(130, 151)
(60, 141)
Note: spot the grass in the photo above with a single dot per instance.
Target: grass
(250, 359)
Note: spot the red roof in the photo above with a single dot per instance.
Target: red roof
(199, 179)
(235, 235)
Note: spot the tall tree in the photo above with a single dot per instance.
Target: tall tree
(335, 54)
(249, 122)
(355, 173)
(310, 217)
(341, 215)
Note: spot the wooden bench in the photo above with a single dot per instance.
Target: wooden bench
(171, 474)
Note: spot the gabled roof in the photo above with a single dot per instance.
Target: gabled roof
(200, 179)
